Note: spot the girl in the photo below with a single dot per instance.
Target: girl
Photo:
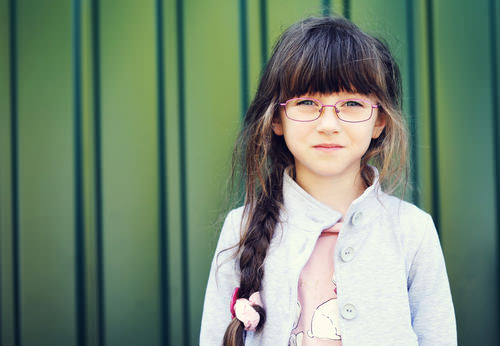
(319, 254)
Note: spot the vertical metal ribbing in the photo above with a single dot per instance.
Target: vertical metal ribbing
(326, 7)
(78, 164)
(347, 9)
(495, 114)
(263, 31)
(243, 56)
(183, 188)
(14, 170)
(411, 101)
(96, 87)
(436, 212)
(162, 176)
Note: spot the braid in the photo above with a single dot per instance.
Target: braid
(255, 244)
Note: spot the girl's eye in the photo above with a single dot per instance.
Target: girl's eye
(306, 103)
(352, 103)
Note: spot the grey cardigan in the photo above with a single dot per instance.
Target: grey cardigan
(392, 284)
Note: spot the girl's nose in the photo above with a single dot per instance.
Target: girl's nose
(328, 121)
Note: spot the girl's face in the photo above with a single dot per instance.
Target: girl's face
(328, 146)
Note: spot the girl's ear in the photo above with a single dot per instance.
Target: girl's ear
(277, 127)
(379, 125)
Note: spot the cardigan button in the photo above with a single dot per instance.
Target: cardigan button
(349, 311)
(347, 254)
(357, 218)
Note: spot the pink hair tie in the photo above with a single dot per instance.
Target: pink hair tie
(243, 310)
(233, 300)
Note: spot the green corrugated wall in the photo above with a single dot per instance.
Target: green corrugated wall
(117, 120)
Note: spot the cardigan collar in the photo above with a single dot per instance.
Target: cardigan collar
(306, 212)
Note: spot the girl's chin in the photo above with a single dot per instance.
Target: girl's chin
(324, 172)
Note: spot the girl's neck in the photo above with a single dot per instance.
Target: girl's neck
(337, 193)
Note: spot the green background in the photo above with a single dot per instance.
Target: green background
(117, 121)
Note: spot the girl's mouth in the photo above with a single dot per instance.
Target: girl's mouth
(328, 147)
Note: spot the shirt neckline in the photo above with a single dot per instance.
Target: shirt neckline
(303, 209)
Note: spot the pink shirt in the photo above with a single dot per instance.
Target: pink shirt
(317, 322)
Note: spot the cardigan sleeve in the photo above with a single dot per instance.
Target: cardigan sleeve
(432, 312)
(224, 277)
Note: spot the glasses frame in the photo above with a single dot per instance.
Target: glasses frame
(373, 105)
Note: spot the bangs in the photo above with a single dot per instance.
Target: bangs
(326, 59)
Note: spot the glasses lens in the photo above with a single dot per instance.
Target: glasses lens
(303, 109)
(354, 110)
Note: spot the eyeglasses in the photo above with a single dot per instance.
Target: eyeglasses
(307, 109)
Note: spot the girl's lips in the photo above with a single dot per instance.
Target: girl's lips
(328, 147)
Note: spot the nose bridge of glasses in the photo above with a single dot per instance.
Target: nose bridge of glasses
(334, 108)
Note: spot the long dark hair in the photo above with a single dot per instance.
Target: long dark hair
(316, 55)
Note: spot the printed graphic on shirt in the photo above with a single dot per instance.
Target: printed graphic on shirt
(296, 339)
(297, 315)
(324, 322)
